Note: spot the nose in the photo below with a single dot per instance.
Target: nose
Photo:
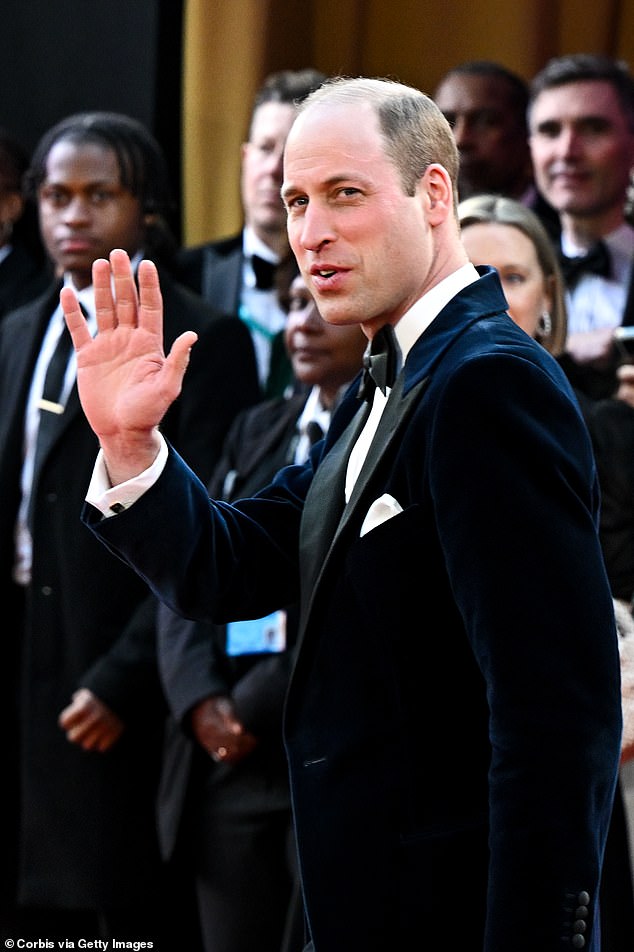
(567, 143)
(314, 230)
(76, 210)
(306, 318)
(275, 164)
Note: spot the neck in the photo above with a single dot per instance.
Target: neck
(327, 395)
(277, 241)
(585, 231)
(80, 279)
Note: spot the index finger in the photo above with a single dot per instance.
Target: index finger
(75, 320)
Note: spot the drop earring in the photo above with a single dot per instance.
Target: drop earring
(544, 325)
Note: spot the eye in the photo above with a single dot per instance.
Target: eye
(53, 195)
(485, 119)
(595, 126)
(348, 191)
(296, 201)
(101, 195)
(548, 130)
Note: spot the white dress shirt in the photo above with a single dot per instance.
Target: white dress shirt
(314, 411)
(596, 301)
(23, 543)
(260, 310)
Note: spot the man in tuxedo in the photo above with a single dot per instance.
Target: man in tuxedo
(581, 120)
(81, 697)
(456, 620)
(243, 274)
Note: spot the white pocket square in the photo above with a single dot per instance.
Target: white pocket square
(382, 509)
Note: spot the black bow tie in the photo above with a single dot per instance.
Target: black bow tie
(379, 362)
(596, 261)
(264, 272)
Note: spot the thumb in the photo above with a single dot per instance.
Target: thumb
(178, 357)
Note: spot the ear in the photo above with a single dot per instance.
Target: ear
(11, 207)
(436, 186)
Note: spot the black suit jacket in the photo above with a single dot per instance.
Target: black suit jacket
(87, 834)
(23, 277)
(214, 270)
(471, 635)
(194, 664)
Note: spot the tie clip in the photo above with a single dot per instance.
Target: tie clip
(50, 405)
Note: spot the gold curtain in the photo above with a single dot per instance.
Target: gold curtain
(230, 45)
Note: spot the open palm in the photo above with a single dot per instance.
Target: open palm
(125, 381)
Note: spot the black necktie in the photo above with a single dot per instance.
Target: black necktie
(264, 272)
(55, 373)
(379, 362)
(596, 261)
(49, 405)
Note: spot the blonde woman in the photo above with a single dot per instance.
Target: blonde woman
(507, 235)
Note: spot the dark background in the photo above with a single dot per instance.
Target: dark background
(58, 57)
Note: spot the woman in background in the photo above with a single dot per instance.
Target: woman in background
(506, 235)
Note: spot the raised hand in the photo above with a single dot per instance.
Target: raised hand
(125, 381)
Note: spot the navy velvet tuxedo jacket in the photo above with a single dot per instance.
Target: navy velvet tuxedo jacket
(453, 719)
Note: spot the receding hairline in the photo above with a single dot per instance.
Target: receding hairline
(356, 88)
(414, 131)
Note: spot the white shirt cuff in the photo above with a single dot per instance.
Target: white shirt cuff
(110, 500)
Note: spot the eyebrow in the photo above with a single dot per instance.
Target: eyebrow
(350, 177)
(596, 118)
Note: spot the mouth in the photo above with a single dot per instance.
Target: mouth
(328, 279)
(324, 270)
(72, 246)
(307, 353)
(568, 174)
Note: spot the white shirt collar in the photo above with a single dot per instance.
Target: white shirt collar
(252, 245)
(621, 239)
(422, 313)
(313, 410)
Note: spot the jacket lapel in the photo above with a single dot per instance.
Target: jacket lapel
(326, 514)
